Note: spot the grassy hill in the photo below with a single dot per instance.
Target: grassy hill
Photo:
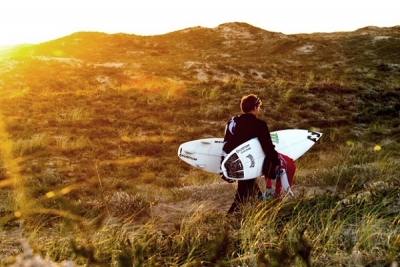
(90, 125)
(232, 50)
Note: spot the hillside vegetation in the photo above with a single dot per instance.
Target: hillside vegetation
(90, 125)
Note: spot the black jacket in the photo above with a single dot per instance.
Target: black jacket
(244, 127)
(238, 130)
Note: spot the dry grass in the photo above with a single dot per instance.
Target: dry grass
(125, 197)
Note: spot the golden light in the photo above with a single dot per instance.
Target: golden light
(66, 190)
(50, 194)
(5, 183)
(58, 53)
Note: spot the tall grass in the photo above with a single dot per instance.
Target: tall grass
(24, 147)
(111, 191)
(69, 142)
(300, 232)
(72, 115)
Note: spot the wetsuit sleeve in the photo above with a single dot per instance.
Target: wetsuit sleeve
(229, 142)
(271, 156)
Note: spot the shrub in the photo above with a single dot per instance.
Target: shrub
(23, 147)
(122, 204)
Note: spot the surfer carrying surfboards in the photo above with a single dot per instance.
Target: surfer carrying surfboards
(240, 129)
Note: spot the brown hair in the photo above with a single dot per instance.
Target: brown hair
(249, 102)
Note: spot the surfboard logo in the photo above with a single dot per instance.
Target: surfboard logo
(313, 136)
(185, 156)
(251, 158)
(275, 138)
(243, 149)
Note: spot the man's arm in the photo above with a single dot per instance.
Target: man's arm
(271, 161)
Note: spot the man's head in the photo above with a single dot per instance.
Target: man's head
(250, 103)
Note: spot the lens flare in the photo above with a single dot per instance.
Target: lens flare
(50, 194)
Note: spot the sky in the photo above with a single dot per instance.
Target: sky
(36, 21)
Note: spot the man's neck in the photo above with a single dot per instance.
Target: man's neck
(254, 112)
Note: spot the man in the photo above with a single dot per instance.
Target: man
(240, 129)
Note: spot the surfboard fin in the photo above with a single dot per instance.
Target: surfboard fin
(201, 165)
(207, 142)
(189, 151)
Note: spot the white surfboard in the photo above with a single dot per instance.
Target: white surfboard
(205, 154)
(246, 161)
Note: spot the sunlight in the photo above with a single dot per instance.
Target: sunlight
(5, 42)
(18, 93)
(5, 183)
(160, 17)
(50, 194)
(165, 87)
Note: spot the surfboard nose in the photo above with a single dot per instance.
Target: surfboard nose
(314, 136)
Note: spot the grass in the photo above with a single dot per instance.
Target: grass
(91, 177)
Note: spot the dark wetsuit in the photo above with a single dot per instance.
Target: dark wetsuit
(240, 129)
